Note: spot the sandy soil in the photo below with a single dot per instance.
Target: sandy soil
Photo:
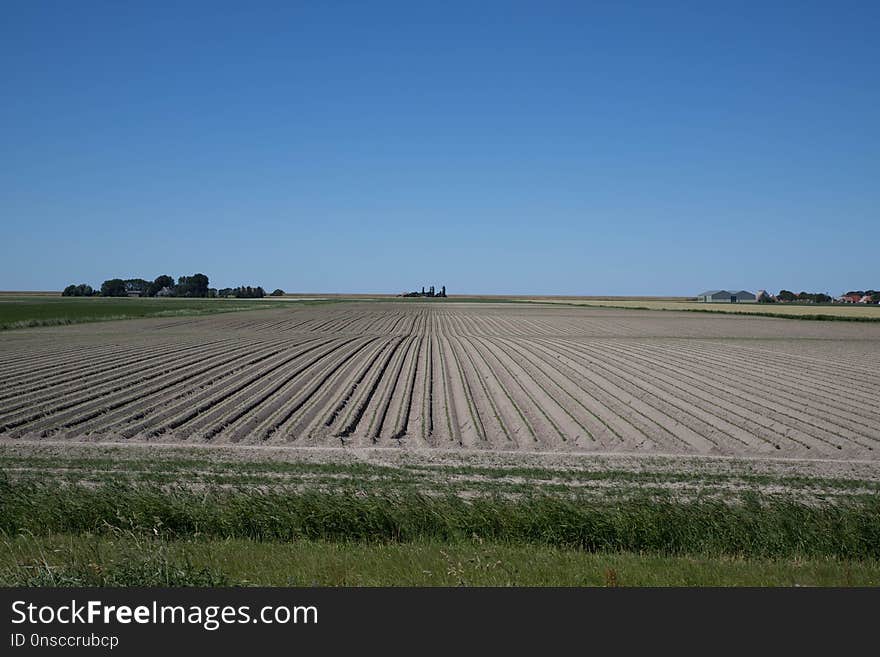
(415, 377)
(448, 470)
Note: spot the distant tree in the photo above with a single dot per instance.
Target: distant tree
(81, 290)
(248, 292)
(115, 287)
(192, 286)
(814, 297)
(786, 295)
(278, 292)
(225, 292)
(137, 285)
(158, 284)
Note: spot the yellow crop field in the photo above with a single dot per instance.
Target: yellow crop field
(855, 311)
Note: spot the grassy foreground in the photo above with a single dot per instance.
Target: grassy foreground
(121, 559)
(777, 528)
(130, 534)
(29, 311)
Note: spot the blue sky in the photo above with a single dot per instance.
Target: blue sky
(541, 147)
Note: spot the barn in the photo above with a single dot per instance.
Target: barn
(726, 296)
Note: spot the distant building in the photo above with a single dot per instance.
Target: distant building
(430, 292)
(165, 292)
(726, 296)
(713, 295)
(763, 296)
(852, 297)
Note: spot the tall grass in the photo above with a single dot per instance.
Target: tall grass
(776, 528)
(117, 561)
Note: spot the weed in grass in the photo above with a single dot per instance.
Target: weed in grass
(611, 577)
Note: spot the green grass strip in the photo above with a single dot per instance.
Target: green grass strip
(122, 560)
(775, 528)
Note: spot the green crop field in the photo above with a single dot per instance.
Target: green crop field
(31, 310)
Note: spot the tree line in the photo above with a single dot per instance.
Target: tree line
(787, 296)
(195, 286)
(812, 297)
(242, 292)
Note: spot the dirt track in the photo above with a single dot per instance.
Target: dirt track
(500, 377)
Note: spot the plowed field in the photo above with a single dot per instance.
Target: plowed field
(446, 375)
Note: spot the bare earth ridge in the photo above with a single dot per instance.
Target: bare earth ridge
(429, 376)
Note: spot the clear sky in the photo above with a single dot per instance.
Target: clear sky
(511, 147)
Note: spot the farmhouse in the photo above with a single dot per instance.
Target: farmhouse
(726, 296)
